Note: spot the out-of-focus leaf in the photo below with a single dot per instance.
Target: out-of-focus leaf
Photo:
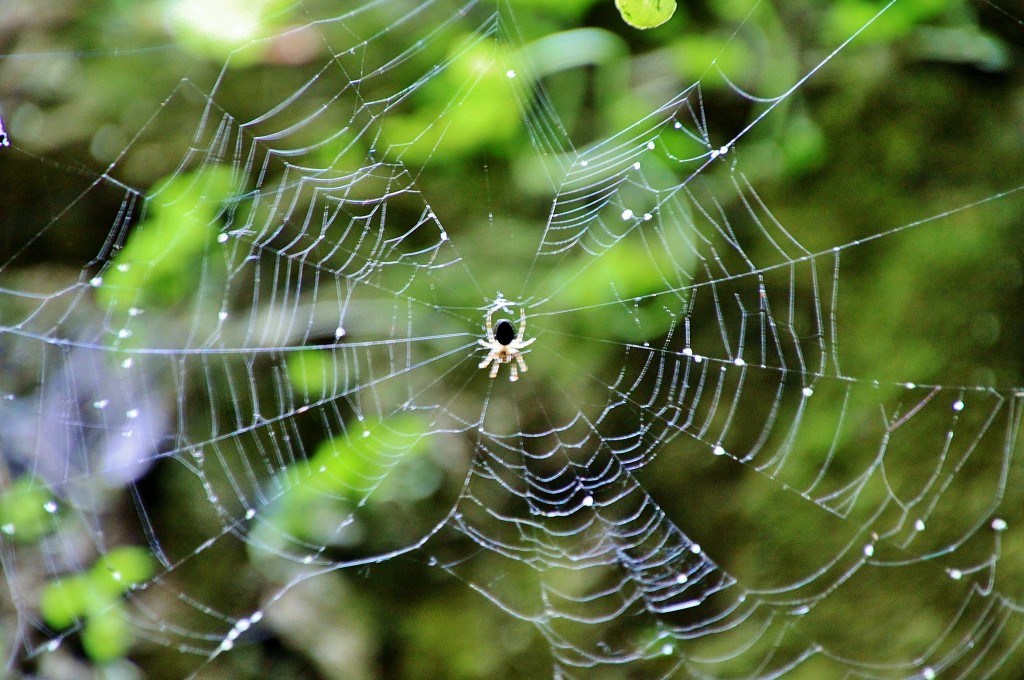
(646, 13)
(67, 600)
(121, 568)
(107, 635)
(471, 105)
(348, 471)
(160, 263)
(228, 28)
(26, 510)
(313, 372)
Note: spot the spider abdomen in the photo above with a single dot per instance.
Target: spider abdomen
(505, 332)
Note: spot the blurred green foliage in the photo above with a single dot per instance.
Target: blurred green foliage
(27, 509)
(646, 13)
(321, 497)
(160, 263)
(93, 600)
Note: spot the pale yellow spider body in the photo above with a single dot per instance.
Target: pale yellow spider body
(506, 346)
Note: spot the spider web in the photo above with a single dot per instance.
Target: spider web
(263, 381)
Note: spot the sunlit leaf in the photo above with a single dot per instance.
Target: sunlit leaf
(646, 13)
(107, 634)
(121, 568)
(26, 510)
(160, 263)
(67, 600)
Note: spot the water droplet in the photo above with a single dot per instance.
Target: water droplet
(695, 549)
(650, 145)
(222, 315)
(132, 413)
(955, 574)
(588, 501)
(719, 450)
(50, 506)
(919, 525)
(96, 281)
(807, 391)
(100, 403)
(958, 405)
(869, 550)
(511, 73)
(999, 524)
(627, 214)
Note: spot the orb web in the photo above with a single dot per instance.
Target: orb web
(243, 397)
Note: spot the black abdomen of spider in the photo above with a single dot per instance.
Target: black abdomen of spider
(505, 332)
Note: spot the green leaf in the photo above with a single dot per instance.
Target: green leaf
(472, 104)
(313, 372)
(122, 568)
(646, 14)
(161, 262)
(26, 510)
(226, 30)
(106, 635)
(67, 600)
(344, 473)
(354, 463)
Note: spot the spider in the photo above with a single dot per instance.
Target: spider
(505, 344)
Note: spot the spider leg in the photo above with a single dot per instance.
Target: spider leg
(527, 343)
(513, 373)
(494, 369)
(522, 364)
(488, 359)
(522, 322)
(484, 343)
(490, 330)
